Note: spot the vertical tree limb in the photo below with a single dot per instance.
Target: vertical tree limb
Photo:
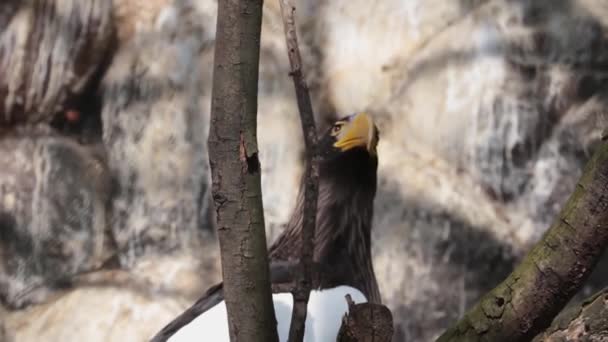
(554, 270)
(235, 170)
(311, 174)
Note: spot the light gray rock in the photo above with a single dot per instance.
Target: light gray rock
(487, 109)
(155, 118)
(120, 305)
(53, 201)
(50, 51)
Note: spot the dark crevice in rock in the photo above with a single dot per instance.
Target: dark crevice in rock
(80, 117)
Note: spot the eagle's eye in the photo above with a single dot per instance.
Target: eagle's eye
(336, 129)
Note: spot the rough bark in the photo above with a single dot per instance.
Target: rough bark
(366, 322)
(235, 171)
(587, 322)
(311, 175)
(525, 303)
(4, 336)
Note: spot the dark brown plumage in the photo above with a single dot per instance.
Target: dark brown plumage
(342, 254)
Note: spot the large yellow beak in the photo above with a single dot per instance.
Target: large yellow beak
(359, 132)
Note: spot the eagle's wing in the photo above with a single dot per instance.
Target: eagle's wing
(281, 276)
(212, 297)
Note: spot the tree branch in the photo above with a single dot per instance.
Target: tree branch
(311, 174)
(525, 303)
(585, 322)
(235, 170)
(366, 322)
(4, 336)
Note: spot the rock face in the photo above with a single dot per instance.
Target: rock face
(53, 199)
(487, 109)
(154, 131)
(119, 305)
(49, 53)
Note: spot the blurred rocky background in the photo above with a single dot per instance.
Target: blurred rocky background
(488, 111)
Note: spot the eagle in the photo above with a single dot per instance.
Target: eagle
(348, 166)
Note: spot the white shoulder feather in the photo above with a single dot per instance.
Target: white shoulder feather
(325, 311)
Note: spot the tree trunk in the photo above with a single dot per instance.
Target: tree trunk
(585, 322)
(526, 302)
(235, 170)
(4, 336)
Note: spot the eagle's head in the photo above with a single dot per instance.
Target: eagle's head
(348, 152)
(353, 133)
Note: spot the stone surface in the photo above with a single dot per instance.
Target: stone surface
(154, 130)
(50, 50)
(53, 199)
(487, 109)
(119, 305)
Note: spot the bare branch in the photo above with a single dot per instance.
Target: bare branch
(235, 170)
(311, 174)
(554, 270)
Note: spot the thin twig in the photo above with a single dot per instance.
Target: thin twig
(311, 174)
